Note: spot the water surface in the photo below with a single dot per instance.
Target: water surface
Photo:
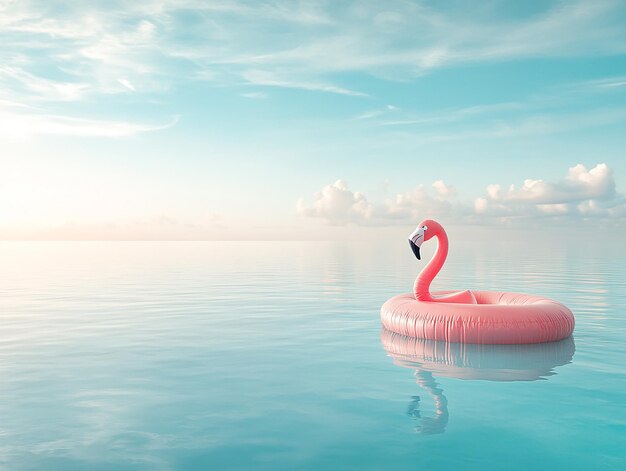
(268, 355)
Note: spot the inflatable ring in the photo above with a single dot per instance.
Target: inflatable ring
(487, 317)
(496, 318)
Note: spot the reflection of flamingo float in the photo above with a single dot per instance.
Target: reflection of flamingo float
(429, 425)
(483, 317)
(470, 361)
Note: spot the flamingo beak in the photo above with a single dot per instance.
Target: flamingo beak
(416, 239)
(415, 249)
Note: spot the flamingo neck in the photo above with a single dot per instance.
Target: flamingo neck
(421, 288)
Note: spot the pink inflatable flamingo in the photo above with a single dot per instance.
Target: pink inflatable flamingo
(487, 317)
(425, 231)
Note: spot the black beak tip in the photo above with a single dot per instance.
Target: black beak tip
(415, 249)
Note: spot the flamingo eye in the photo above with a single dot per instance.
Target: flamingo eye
(425, 228)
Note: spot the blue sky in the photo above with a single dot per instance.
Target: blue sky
(285, 119)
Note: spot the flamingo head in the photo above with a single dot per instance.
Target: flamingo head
(424, 231)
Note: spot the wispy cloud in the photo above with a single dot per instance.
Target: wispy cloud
(23, 125)
(36, 87)
(393, 116)
(255, 95)
(103, 49)
(607, 83)
(89, 51)
(270, 79)
(432, 129)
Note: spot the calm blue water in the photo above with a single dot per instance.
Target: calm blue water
(245, 355)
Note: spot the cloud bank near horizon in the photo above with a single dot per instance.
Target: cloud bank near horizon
(582, 194)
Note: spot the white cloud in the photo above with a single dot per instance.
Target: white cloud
(443, 190)
(581, 194)
(579, 184)
(555, 209)
(338, 205)
(420, 202)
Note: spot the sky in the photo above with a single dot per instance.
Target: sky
(308, 120)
